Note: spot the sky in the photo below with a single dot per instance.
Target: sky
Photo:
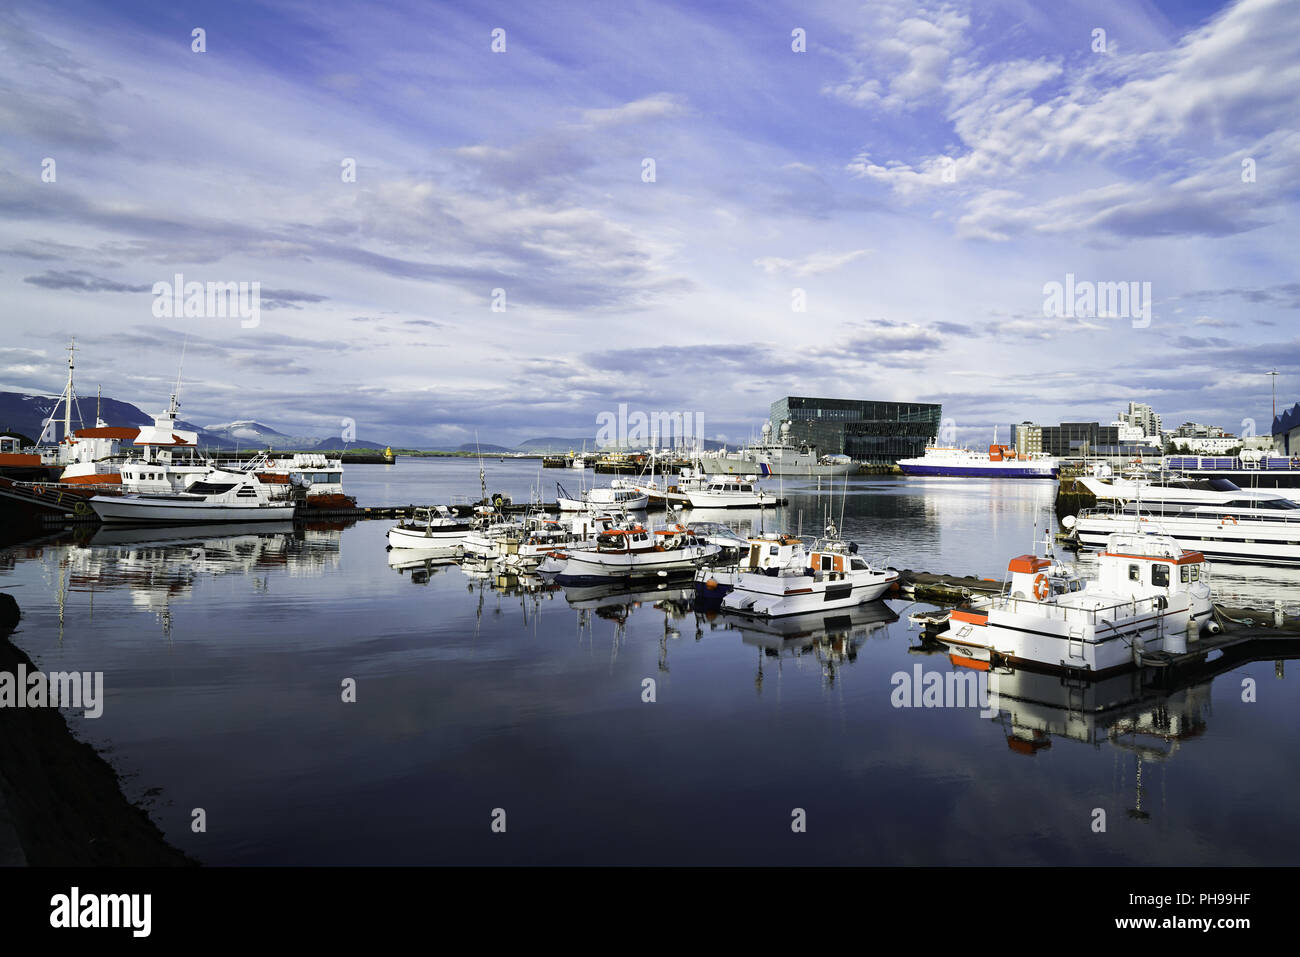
(878, 215)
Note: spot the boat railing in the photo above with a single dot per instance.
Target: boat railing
(1093, 616)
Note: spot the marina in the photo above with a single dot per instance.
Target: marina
(516, 436)
(499, 620)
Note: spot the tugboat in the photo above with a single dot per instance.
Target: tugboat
(1149, 598)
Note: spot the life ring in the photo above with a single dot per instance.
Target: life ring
(1041, 588)
(1228, 518)
(81, 508)
(498, 501)
(39, 490)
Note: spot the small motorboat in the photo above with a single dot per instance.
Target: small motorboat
(429, 528)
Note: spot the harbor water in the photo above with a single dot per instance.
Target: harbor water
(496, 721)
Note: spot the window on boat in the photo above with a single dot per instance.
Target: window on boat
(1075, 584)
(826, 563)
(1135, 573)
(859, 564)
(746, 488)
(774, 549)
(1160, 576)
(1196, 573)
(1184, 573)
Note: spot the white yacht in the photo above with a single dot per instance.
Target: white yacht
(246, 499)
(726, 491)
(1254, 527)
(1173, 489)
(619, 494)
(779, 457)
(827, 576)
(1150, 595)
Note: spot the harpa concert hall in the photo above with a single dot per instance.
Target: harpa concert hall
(875, 432)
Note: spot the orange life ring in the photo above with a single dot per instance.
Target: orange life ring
(39, 490)
(1041, 588)
(1228, 518)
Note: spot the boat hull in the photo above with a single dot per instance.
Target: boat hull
(125, 509)
(765, 596)
(980, 471)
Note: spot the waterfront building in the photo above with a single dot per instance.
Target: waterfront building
(866, 431)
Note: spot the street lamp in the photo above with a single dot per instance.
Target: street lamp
(1274, 374)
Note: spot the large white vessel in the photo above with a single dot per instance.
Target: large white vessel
(619, 494)
(246, 499)
(1150, 595)
(1250, 526)
(780, 457)
(999, 462)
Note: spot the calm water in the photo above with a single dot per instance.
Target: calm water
(224, 655)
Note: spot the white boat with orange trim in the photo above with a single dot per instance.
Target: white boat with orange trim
(1149, 597)
(772, 550)
(826, 576)
(633, 551)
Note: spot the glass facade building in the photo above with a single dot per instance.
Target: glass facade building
(1072, 438)
(875, 432)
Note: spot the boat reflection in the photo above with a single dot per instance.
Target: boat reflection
(157, 564)
(422, 563)
(830, 638)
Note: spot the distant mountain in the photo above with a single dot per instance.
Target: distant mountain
(336, 444)
(26, 413)
(481, 447)
(553, 443)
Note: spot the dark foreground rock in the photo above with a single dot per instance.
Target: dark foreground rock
(59, 800)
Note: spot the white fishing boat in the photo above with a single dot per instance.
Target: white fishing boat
(429, 528)
(1150, 596)
(781, 456)
(772, 550)
(246, 499)
(633, 551)
(828, 575)
(726, 491)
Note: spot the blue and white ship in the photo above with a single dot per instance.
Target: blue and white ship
(999, 462)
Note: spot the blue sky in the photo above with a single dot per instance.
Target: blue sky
(920, 173)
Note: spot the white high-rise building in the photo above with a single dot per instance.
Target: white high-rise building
(1141, 416)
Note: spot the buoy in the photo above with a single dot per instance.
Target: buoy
(711, 584)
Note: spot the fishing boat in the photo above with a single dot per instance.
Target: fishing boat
(246, 499)
(1000, 461)
(780, 456)
(1149, 597)
(429, 528)
(772, 550)
(541, 535)
(632, 551)
(825, 576)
